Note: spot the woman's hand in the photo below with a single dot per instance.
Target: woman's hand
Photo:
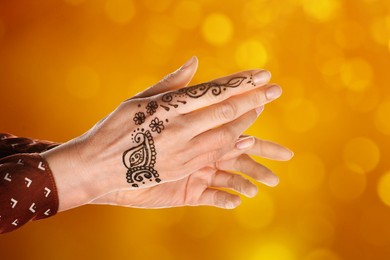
(157, 139)
(202, 187)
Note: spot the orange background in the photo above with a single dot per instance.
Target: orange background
(65, 64)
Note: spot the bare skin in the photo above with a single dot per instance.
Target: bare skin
(180, 143)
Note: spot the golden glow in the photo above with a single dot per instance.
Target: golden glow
(321, 10)
(83, 82)
(381, 118)
(346, 183)
(384, 188)
(257, 217)
(120, 11)
(322, 254)
(356, 74)
(66, 64)
(273, 251)
(187, 14)
(217, 29)
(306, 172)
(307, 119)
(363, 153)
(251, 54)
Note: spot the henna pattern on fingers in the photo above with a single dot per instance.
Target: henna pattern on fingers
(140, 160)
(200, 90)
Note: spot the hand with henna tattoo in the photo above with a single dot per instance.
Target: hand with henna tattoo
(153, 139)
(201, 188)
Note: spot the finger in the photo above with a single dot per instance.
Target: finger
(212, 145)
(199, 96)
(258, 147)
(250, 167)
(177, 79)
(218, 198)
(236, 182)
(230, 109)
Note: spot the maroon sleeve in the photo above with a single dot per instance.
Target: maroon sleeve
(10, 144)
(27, 187)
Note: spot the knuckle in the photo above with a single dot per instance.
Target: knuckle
(259, 97)
(220, 198)
(225, 136)
(213, 156)
(236, 183)
(227, 111)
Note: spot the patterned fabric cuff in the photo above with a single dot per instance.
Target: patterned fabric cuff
(27, 190)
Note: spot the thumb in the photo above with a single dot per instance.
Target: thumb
(177, 79)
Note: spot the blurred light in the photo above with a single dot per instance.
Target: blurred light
(120, 11)
(346, 183)
(74, 2)
(187, 14)
(315, 229)
(384, 188)
(361, 152)
(162, 31)
(356, 74)
(273, 251)
(205, 225)
(306, 171)
(255, 15)
(251, 54)
(322, 254)
(373, 225)
(381, 117)
(380, 29)
(217, 29)
(152, 252)
(332, 66)
(256, 214)
(157, 6)
(321, 10)
(363, 101)
(301, 117)
(349, 34)
(82, 82)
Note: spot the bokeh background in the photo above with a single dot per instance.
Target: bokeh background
(64, 64)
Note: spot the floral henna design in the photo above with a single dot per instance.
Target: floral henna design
(139, 118)
(140, 160)
(156, 125)
(151, 107)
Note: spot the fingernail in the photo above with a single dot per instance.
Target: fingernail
(252, 192)
(273, 182)
(261, 77)
(229, 205)
(188, 63)
(245, 142)
(273, 92)
(259, 110)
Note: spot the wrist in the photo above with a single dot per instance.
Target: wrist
(75, 181)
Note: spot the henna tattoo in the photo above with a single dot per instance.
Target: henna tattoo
(140, 160)
(200, 90)
(156, 125)
(139, 118)
(151, 107)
